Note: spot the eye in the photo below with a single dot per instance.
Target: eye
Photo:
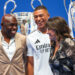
(13, 24)
(35, 16)
(41, 15)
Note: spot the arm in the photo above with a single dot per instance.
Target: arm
(30, 65)
(30, 61)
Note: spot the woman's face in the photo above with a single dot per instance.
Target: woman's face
(52, 34)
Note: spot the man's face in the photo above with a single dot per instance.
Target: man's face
(9, 28)
(41, 16)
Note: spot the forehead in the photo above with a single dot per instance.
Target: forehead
(41, 11)
(10, 19)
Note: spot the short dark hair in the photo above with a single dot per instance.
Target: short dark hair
(40, 7)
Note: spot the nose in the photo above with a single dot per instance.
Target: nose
(38, 18)
(14, 26)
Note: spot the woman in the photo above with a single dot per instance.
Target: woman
(62, 47)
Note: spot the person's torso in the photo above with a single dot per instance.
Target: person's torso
(15, 66)
(41, 46)
(63, 60)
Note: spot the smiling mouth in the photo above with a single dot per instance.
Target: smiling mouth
(40, 23)
(13, 31)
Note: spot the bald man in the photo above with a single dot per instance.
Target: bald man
(12, 47)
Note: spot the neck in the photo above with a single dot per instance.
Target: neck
(5, 37)
(43, 30)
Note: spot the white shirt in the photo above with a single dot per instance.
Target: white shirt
(9, 48)
(39, 47)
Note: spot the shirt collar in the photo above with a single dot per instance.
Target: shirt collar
(11, 40)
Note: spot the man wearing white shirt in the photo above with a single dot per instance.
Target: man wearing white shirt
(12, 47)
(38, 44)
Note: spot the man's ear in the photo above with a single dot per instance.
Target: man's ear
(48, 15)
(2, 24)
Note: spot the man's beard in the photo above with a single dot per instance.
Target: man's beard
(9, 35)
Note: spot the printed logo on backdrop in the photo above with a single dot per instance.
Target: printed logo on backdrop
(71, 16)
(25, 19)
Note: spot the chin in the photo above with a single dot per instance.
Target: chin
(12, 35)
(41, 27)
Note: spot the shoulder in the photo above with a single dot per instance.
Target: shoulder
(69, 46)
(20, 37)
(70, 42)
(33, 35)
